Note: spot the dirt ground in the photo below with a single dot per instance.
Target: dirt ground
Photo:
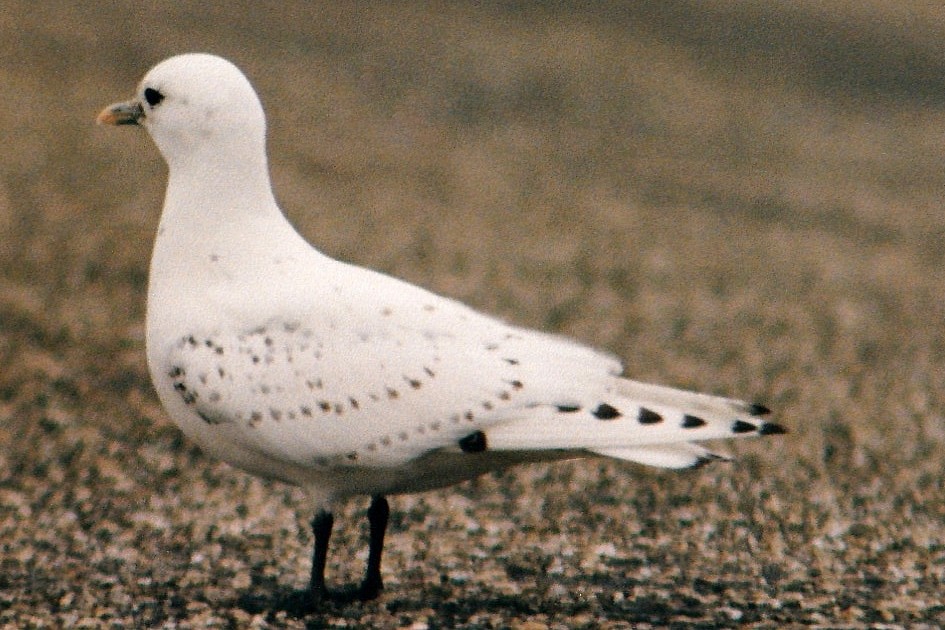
(741, 198)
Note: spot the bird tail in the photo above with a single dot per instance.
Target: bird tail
(649, 424)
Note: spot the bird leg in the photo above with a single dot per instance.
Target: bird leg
(378, 514)
(321, 528)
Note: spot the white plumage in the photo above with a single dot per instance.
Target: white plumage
(291, 365)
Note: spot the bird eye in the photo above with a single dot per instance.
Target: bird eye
(152, 96)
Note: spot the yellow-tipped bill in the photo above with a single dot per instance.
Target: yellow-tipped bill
(126, 113)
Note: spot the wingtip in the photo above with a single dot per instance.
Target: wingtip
(765, 428)
(771, 428)
(757, 409)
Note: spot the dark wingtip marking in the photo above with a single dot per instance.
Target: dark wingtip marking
(605, 412)
(473, 443)
(756, 409)
(568, 408)
(771, 428)
(740, 426)
(648, 416)
(692, 422)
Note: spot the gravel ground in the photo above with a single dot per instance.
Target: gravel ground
(740, 198)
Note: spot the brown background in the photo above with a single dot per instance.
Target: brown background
(744, 198)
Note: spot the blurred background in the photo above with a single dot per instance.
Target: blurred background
(741, 198)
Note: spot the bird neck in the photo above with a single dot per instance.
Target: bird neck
(220, 224)
(209, 190)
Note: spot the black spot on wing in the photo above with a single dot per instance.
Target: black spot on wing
(568, 408)
(692, 422)
(188, 396)
(770, 428)
(755, 409)
(648, 416)
(740, 426)
(474, 443)
(606, 412)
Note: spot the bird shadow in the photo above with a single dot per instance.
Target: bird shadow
(300, 602)
(453, 607)
(295, 603)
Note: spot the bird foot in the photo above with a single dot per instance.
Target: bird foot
(364, 592)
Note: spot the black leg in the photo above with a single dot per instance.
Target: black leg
(370, 588)
(378, 514)
(321, 528)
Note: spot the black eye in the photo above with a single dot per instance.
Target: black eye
(152, 96)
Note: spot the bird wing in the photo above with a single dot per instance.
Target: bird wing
(354, 387)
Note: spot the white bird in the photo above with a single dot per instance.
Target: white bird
(344, 381)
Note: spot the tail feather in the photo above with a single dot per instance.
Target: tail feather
(683, 455)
